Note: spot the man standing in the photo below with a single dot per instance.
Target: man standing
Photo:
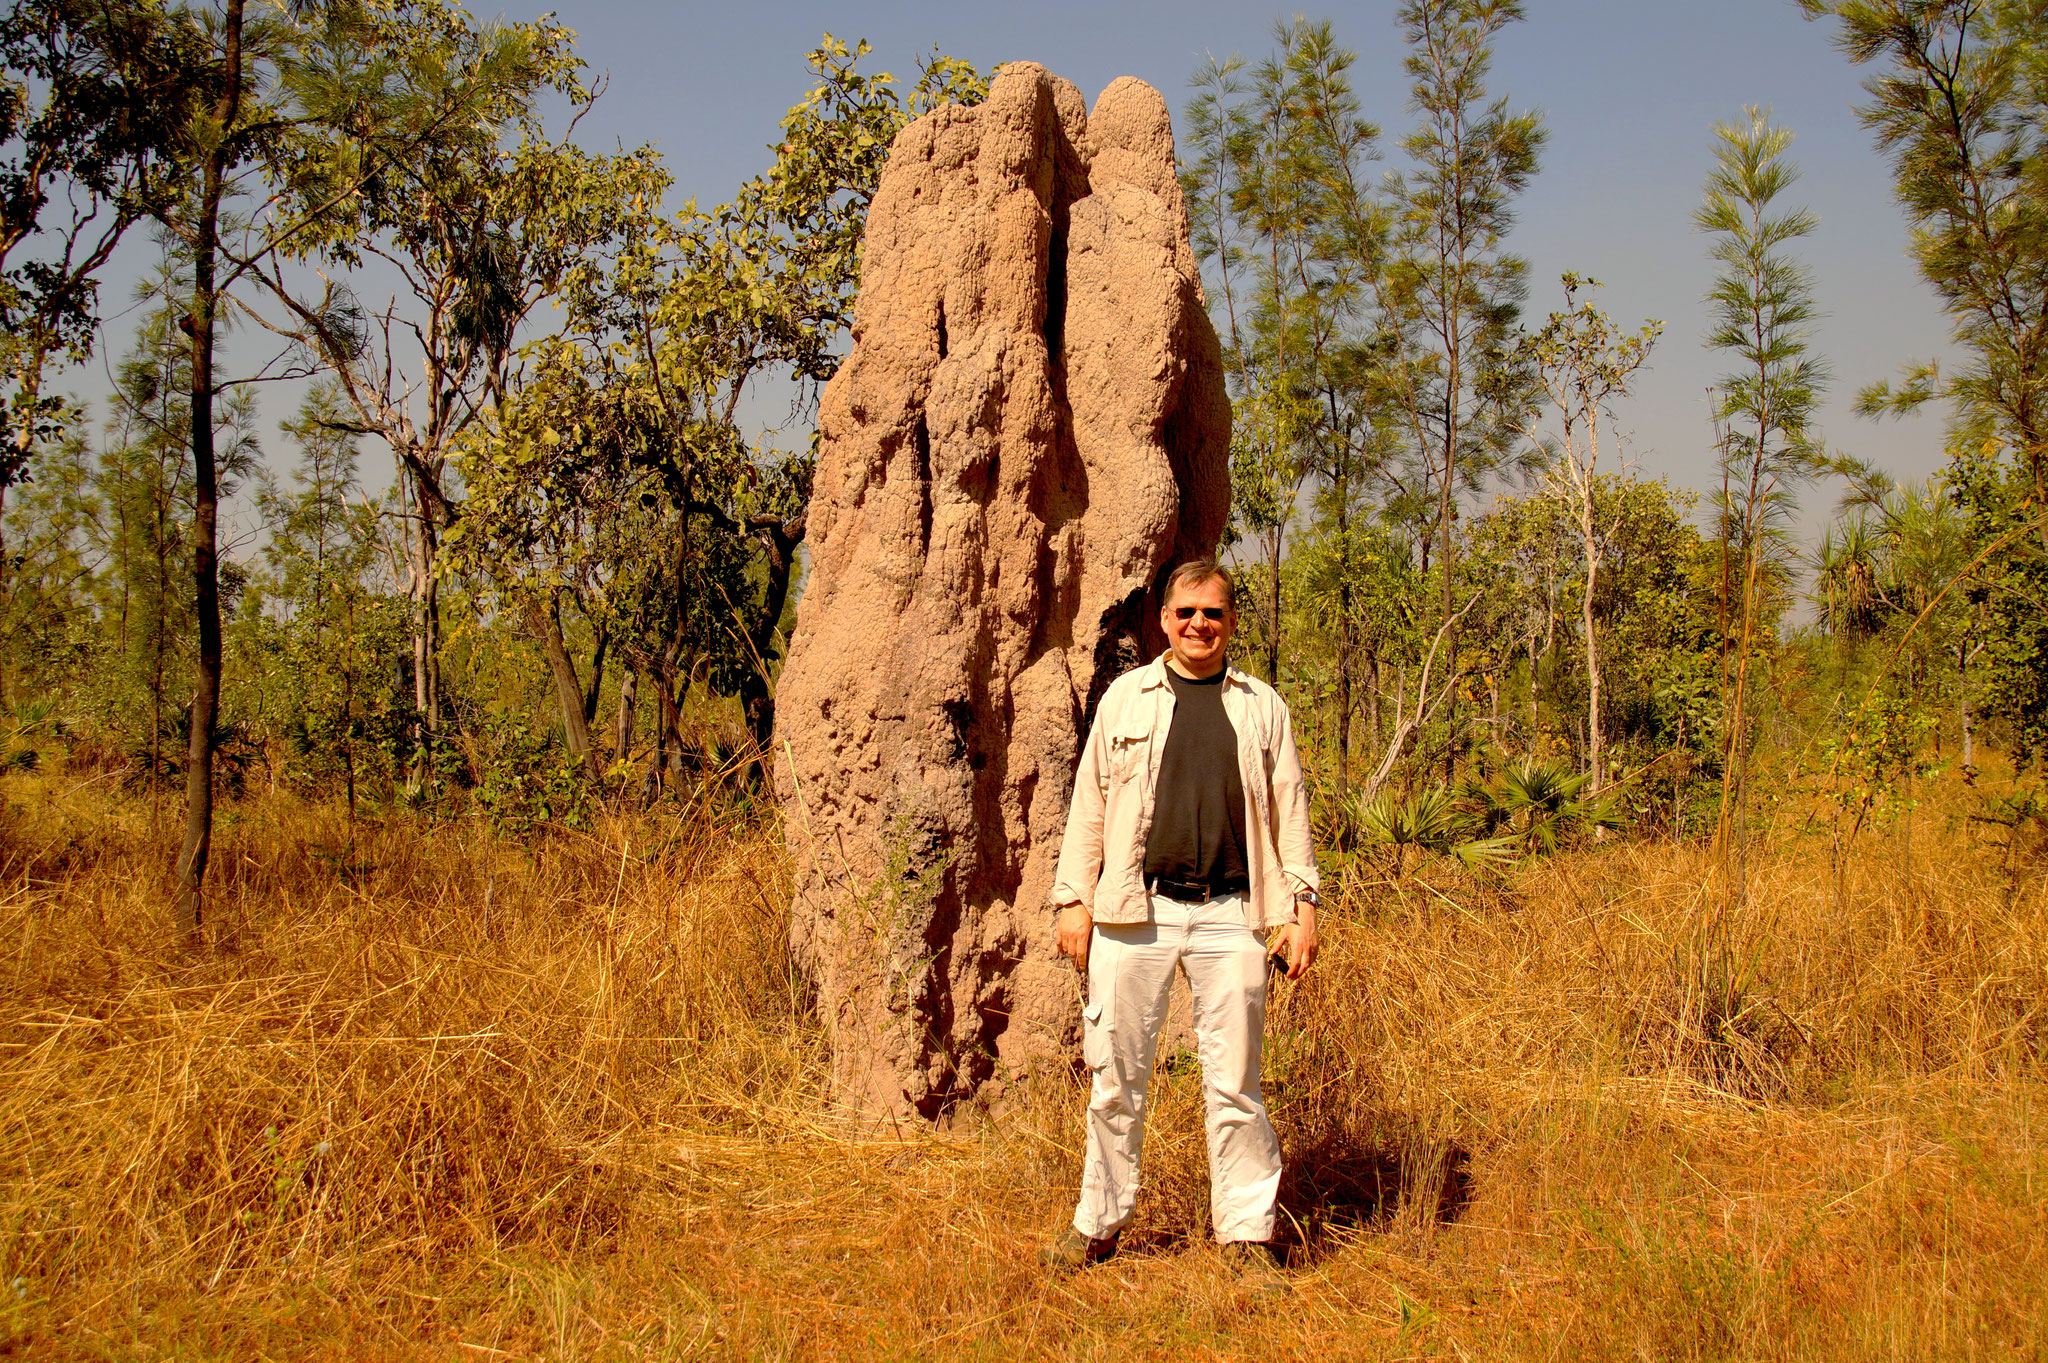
(1187, 837)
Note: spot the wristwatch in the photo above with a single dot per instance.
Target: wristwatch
(1308, 897)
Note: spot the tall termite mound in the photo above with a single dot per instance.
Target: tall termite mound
(1031, 429)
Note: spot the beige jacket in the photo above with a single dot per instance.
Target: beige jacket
(1102, 857)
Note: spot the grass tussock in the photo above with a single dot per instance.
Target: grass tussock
(432, 1095)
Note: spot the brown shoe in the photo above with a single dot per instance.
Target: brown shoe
(1074, 1251)
(1257, 1265)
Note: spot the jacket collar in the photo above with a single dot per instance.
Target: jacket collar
(1155, 672)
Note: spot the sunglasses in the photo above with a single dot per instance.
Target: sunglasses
(1188, 612)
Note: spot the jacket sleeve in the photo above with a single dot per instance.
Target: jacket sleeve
(1290, 810)
(1080, 864)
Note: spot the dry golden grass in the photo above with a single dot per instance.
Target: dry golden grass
(434, 1096)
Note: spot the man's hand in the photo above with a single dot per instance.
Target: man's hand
(1071, 933)
(1297, 941)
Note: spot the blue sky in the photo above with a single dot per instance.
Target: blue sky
(1629, 89)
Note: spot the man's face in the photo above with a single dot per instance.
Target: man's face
(1198, 642)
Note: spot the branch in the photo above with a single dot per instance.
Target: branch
(1425, 704)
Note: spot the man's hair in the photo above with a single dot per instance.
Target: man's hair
(1194, 573)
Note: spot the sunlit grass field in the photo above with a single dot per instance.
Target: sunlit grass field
(435, 1095)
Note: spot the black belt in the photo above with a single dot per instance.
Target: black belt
(1192, 891)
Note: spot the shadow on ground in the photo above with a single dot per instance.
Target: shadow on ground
(1337, 1181)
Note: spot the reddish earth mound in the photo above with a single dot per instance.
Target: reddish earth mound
(1031, 430)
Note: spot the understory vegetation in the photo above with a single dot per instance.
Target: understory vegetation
(440, 1094)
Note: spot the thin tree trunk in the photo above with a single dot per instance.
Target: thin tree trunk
(1593, 734)
(757, 700)
(1347, 634)
(1535, 703)
(422, 549)
(667, 754)
(1446, 511)
(1372, 695)
(1273, 608)
(199, 325)
(1969, 730)
(667, 720)
(591, 692)
(547, 627)
(622, 742)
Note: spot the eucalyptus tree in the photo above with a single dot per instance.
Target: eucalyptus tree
(147, 489)
(1368, 319)
(763, 284)
(298, 119)
(1352, 369)
(1454, 292)
(329, 624)
(1295, 233)
(691, 551)
(1960, 107)
(90, 97)
(1584, 362)
(1762, 308)
(483, 220)
(1253, 183)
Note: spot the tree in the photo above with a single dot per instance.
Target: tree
(1274, 188)
(1584, 362)
(1650, 608)
(1963, 114)
(1363, 317)
(307, 112)
(641, 400)
(90, 95)
(1453, 294)
(1352, 417)
(1885, 579)
(325, 630)
(47, 613)
(1762, 304)
(1960, 107)
(147, 487)
(484, 219)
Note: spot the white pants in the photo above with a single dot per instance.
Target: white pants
(1130, 966)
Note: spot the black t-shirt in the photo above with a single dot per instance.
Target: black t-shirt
(1198, 809)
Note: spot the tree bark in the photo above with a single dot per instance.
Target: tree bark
(622, 742)
(591, 692)
(1347, 631)
(199, 326)
(1593, 733)
(1273, 612)
(547, 627)
(422, 549)
(757, 701)
(1372, 694)
(667, 719)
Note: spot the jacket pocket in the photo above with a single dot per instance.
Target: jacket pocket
(1127, 754)
(1094, 1037)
